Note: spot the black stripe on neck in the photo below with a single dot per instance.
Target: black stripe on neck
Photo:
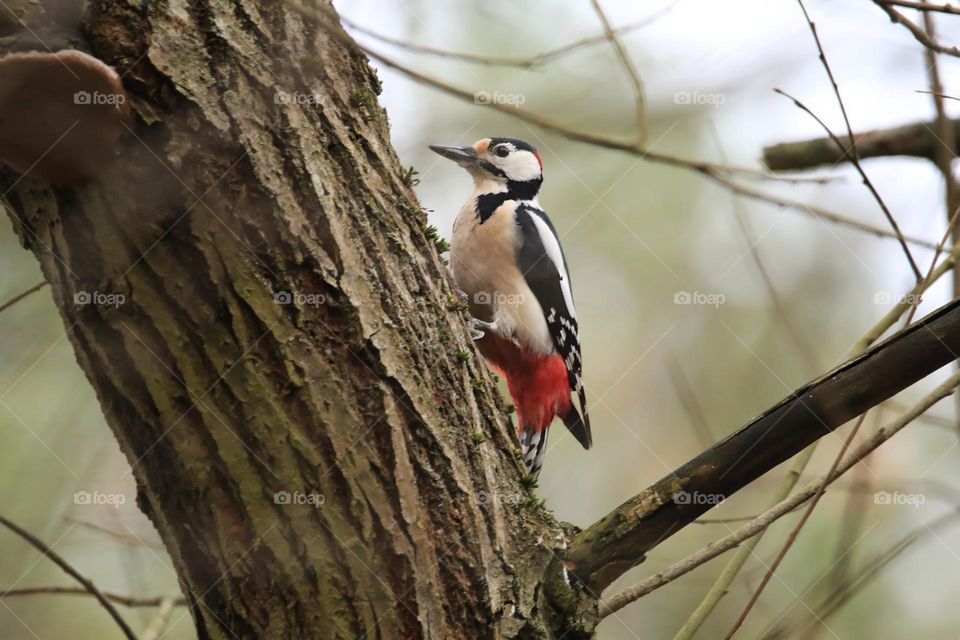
(487, 203)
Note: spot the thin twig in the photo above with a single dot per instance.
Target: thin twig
(853, 519)
(614, 603)
(20, 296)
(850, 153)
(76, 575)
(796, 529)
(922, 6)
(802, 346)
(688, 400)
(117, 535)
(155, 629)
(853, 153)
(507, 61)
(872, 568)
(126, 601)
(721, 585)
(905, 303)
(724, 520)
(945, 152)
(919, 34)
(950, 231)
(635, 80)
(814, 211)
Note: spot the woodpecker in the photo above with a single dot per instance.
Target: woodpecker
(507, 260)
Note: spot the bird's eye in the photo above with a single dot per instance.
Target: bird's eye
(502, 152)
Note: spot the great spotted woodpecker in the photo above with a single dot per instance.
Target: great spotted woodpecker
(506, 257)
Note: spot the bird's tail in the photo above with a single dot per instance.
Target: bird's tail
(579, 426)
(533, 444)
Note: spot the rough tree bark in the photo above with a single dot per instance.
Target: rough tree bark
(225, 202)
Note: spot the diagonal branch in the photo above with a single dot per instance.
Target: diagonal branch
(618, 542)
(919, 34)
(851, 155)
(38, 544)
(764, 520)
(23, 294)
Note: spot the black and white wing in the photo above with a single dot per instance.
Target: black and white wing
(544, 268)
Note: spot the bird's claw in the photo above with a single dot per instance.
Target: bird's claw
(478, 328)
(475, 332)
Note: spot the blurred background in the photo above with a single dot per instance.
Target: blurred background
(664, 379)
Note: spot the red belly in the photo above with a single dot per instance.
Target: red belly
(538, 383)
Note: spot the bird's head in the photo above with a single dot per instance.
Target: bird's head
(505, 160)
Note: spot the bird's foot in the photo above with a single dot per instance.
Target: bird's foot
(478, 328)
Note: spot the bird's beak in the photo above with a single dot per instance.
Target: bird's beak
(463, 156)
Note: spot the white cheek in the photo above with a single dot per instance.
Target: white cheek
(521, 166)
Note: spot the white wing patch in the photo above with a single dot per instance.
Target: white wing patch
(552, 247)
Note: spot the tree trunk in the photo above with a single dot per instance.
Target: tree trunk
(253, 293)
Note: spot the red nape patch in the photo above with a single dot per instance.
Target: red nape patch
(538, 384)
(537, 156)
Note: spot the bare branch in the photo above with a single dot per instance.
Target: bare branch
(872, 568)
(118, 535)
(815, 211)
(714, 549)
(855, 161)
(631, 69)
(155, 630)
(522, 62)
(922, 6)
(915, 140)
(688, 400)
(919, 34)
(38, 544)
(833, 81)
(126, 601)
(20, 296)
(796, 529)
(618, 541)
(946, 151)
